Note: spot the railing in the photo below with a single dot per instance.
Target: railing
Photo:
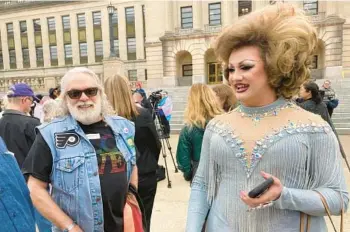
(321, 16)
(212, 28)
(36, 83)
(183, 31)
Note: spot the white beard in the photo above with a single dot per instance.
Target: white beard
(86, 116)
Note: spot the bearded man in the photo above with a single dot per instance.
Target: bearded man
(77, 154)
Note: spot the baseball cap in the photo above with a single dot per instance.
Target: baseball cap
(21, 90)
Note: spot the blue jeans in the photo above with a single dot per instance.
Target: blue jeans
(43, 224)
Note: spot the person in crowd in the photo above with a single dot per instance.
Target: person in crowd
(146, 139)
(329, 97)
(17, 128)
(165, 108)
(140, 90)
(4, 105)
(266, 55)
(76, 153)
(201, 107)
(54, 92)
(17, 212)
(225, 96)
(142, 101)
(312, 102)
(49, 110)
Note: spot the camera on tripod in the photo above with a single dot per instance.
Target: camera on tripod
(155, 97)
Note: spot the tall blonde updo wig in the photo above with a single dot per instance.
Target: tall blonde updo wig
(285, 38)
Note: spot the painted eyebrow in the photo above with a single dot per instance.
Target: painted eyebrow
(244, 61)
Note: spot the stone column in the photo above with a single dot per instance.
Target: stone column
(197, 15)
(75, 38)
(227, 12)
(31, 43)
(45, 42)
(4, 45)
(168, 15)
(18, 44)
(198, 71)
(105, 32)
(90, 37)
(140, 49)
(331, 7)
(59, 41)
(123, 52)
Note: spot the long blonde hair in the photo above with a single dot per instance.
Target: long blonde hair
(118, 93)
(226, 95)
(202, 106)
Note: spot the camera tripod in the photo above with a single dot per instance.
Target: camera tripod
(164, 137)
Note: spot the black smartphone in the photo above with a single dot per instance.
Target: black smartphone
(261, 188)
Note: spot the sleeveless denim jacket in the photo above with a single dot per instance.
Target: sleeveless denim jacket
(16, 208)
(74, 177)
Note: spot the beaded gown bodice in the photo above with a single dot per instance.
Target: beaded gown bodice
(281, 139)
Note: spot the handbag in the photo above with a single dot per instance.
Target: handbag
(333, 103)
(134, 217)
(325, 205)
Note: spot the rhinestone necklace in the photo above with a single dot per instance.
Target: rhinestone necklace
(257, 113)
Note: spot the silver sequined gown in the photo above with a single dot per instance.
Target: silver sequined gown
(296, 146)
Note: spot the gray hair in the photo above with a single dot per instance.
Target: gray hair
(49, 110)
(68, 77)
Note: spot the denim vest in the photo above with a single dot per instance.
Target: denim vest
(75, 179)
(16, 208)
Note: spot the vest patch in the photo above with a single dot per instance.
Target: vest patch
(66, 139)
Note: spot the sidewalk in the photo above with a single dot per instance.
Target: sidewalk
(170, 207)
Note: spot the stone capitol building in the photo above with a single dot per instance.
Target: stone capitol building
(160, 43)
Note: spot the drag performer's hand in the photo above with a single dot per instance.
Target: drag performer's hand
(272, 194)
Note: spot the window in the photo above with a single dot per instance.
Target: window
(186, 17)
(23, 26)
(26, 61)
(98, 51)
(311, 7)
(314, 62)
(115, 18)
(130, 15)
(130, 22)
(215, 13)
(37, 25)
(1, 61)
(53, 55)
(9, 28)
(39, 57)
(244, 7)
(83, 53)
(132, 74)
(68, 55)
(116, 47)
(131, 44)
(187, 70)
(12, 54)
(81, 20)
(66, 22)
(51, 24)
(96, 17)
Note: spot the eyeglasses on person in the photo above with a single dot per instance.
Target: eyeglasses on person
(76, 93)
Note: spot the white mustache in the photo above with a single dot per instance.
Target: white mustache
(89, 103)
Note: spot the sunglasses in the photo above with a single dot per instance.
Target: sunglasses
(76, 94)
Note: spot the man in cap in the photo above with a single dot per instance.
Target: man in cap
(88, 156)
(17, 129)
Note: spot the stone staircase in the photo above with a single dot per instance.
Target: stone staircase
(179, 97)
(341, 115)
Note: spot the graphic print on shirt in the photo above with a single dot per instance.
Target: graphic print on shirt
(109, 157)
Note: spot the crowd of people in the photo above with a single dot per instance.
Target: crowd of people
(85, 157)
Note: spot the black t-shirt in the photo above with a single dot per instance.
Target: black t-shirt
(112, 170)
